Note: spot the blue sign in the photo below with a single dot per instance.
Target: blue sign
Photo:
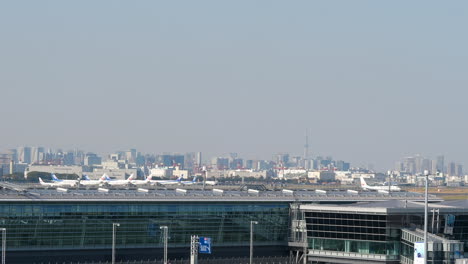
(205, 245)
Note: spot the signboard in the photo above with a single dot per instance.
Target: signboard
(205, 245)
(418, 253)
(449, 224)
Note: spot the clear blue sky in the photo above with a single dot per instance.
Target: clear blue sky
(372, 80)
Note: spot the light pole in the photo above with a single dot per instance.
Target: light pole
(252, 223)
(164, 228)
(114, 229)
(426, 175)
(3, 244)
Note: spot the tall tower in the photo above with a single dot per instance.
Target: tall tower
(306, 145)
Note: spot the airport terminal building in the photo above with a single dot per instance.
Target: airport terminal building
(53, 225)
(380, 232)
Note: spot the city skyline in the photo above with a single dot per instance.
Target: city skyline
(413, 164)
(371, 81)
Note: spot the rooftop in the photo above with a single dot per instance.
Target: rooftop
(15, 193)
(392, 206)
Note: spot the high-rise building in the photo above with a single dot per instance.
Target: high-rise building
(434, 166)
(68, 158)
(459, 170)
(451, 169)
(131, 155)
(24, 155)
(170, 160)
(199, 159)
(235, 164)
(409, 165)
(249, 164)
(92, 159)
(220, 163)
(37, 155)
(426, 164)
(282, 159)
(190, 160)
(342, 166)
(440, 163)
(399, 166)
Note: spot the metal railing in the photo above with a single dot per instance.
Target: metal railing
(352, 255)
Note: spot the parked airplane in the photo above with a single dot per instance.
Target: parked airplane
(378, 188)
(64, 182)
(193, 181)
(112, 182)
(142, 182)
(57, 183)
(211, 182)
(168, 182)
(88, 182)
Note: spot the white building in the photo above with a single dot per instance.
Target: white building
(78, 170)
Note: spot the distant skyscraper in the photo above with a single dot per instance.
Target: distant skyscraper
(434, 166)
(249, 164)
(220, 163)
(69, 158)
(24, 154)
(440, 164)
(92, 159)
(37, 154)
(282, 159)
(409, 165)
(130, 155)
(451, 169)
(399, 166)
(426, 165)
(236, 164)
(342, 166)
(459, 170)
(199, 159)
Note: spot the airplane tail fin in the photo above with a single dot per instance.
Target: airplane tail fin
(194, 179)
(363, 182)
(86, 177)
(106, 177)
(148, 179)
(131, 177)
(54, 178)
(41, 181)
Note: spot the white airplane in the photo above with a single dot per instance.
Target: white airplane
(168, 182)
(57, 183)
(211, 182)
(194, 181)
(142, 182)
(71, 182)
(112, 182)
(378, 188)
(88, 182)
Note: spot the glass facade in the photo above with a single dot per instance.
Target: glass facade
(356, 233)
(88, 225)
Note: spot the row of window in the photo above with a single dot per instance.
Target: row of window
(225, 223)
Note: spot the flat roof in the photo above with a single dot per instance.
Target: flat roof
(390, 206)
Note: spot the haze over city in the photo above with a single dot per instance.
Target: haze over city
(372, 81)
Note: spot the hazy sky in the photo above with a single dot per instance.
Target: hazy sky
(372, 80)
